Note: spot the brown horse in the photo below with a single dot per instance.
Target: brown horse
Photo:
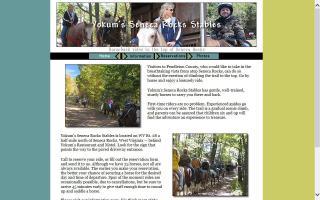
(196, 164)
(187, 180)
(79, 34)
(216, 43)
(114, 110)
(175, 184)
(223, 43)
(130, 116)
(111, 37)
(201, 174)
(149, 35)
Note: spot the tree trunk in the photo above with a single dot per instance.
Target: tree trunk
(115, 10)
(240, 163)
(245, 165)
(214, 147)
(90, 19)
(90, 12)
(127, 39)
(96, 12)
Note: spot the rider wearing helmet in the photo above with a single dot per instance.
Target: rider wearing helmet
(107, 20)
(185, 161)
(228, 27)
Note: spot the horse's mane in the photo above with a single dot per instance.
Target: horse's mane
(75, 33)
(160, 40)
(77, 28)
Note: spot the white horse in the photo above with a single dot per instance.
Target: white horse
(150, 36)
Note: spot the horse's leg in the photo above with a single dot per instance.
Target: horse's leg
(98, 39)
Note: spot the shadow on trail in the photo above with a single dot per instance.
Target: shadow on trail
(221, 189)
(77, 116)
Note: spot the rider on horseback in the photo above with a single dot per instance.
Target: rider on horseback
(107, 20)
(205, 166)
(105, 104)
(228, 27)
(175, 166)
(185, 161)
(169, 26)
(110, 102)
(69, 19)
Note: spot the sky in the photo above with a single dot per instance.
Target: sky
(72, 70)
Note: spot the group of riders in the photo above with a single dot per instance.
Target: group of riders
(126, 117)
(227, 26)
(70, 19)
(201, 171)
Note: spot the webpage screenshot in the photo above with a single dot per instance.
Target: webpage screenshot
(156, 100)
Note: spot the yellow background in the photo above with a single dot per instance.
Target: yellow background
(288, 100)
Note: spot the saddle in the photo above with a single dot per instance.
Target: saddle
(237, 42)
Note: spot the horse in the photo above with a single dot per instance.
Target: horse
(84, 102)
(216, 171)
(202, 173)
(183, 192)
(149, 35)
(175, 184)
(216, 43)
(205, 173)
(223, 43)
(130, 116)
(196, 164)
(111, 36)
(114, 109)
(230, 168)
(79, 34)
(187, 180)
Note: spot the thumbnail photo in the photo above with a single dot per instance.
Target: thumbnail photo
(214, 165)
(102, 95)
(234, 24)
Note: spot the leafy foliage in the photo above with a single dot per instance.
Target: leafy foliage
(119, 82)
(229, 149)
(71, 87)
(92, 12)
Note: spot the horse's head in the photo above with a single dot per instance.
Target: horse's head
(88, 29)
(149, 35)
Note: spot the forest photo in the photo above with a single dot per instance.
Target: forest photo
(101, 95)
(210, 164)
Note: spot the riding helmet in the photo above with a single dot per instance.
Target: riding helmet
(225, 5)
